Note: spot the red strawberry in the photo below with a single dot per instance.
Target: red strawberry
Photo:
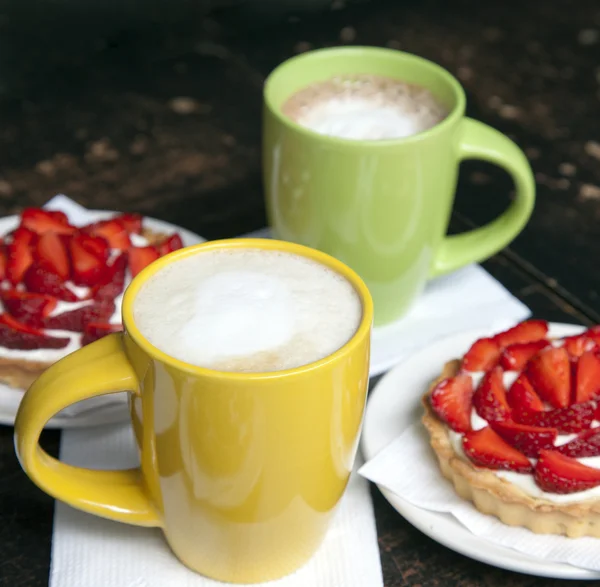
(587, 377)
(527, 439)
(528, 331)
(96, 245)
(587, 444)
(41, 221)
(593, 333)
(172, 243)
(19, 254)
(39, 279)
(516, 356)
(15, 335)
(485, 448)
(557, 473)
(51, 253)
(573, 418)
(113, 231)
(550, 374)
(577, 345)
(88, 268)
(131, 222)
(483, 355)
(115, 279)
(75, 320)
(95, 330)
(489, 400)
(28, 308)
(141, 257)
(451, 401)
(522, 398)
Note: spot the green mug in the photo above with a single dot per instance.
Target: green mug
(383, 206)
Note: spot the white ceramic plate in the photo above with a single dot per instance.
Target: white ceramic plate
(393, 405)
(98, 413)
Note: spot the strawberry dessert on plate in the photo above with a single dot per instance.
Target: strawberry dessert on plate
(61, 285)
(515, 426)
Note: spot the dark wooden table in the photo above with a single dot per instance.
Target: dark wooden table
(167, 123)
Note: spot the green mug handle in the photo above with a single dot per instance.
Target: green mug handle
(480, 141)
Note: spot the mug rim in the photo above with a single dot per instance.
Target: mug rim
(363, 330)
(456, 113)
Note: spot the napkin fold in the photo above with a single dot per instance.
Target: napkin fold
(92, 552)
(408, 468)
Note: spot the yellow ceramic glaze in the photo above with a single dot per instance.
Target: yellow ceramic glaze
(242, 471)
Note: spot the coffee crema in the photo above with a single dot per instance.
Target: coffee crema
(365, 107)
(247, 310)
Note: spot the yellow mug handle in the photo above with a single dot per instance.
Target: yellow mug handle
(98, 368)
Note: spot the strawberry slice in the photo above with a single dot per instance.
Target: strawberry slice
(577, 345)
(530, 440)
(88, 268)
(42, 221)
(451, 401)
(113, 231)
(586, 444)
(557, 473)
(140, 258)
(95, 330)
(16, 335)
(115, 279)
(550, 374)
(522, 398)
(485, 448)
(28, 308)
(528, 331)
(489, 400)
(573, 418)
(19, 254)
(131, 222)
(51, 253)
(39, 279)
(587, 377)
(483, 355)
(516, 356)
(75, 320)
(173, 243)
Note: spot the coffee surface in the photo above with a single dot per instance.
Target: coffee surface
(247, 310)
(365, 107)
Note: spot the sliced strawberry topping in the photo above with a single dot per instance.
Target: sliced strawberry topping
(28, 308)
(587, 377)
(88, 268)
(41, 221)
(586, 444)
(113, 231)
(75, 320)
(115, 279)
(39, 279)
(95, 330)
(570, 419)
(550, 374)
(557, 473)
(19, 254)
(451, 401)
(486, 448)
(483, 355)
(15, 335)
(131, 222)
(140, 258)
(170, 244)
(577, 345)
(50, 252)
(522, 397)
(527, 439)
(489, 400)
(516, 356)
(528, 331)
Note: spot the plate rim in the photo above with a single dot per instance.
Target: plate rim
(424, 520)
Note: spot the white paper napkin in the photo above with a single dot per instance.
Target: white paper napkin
(408, 468)
(93, 552)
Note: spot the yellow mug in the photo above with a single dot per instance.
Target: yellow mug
(242, 471)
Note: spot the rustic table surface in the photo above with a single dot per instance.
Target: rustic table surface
(167, 123)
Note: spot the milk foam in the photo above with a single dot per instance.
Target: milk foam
(247, 310)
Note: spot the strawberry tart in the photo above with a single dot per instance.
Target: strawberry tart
(61, 285)
(515, 426)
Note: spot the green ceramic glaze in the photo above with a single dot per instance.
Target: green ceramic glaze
(382, 207)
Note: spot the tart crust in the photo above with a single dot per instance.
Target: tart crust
(497, 497)
(21, 373)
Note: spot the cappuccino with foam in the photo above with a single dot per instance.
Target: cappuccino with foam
(365, 107)
(247, 310)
